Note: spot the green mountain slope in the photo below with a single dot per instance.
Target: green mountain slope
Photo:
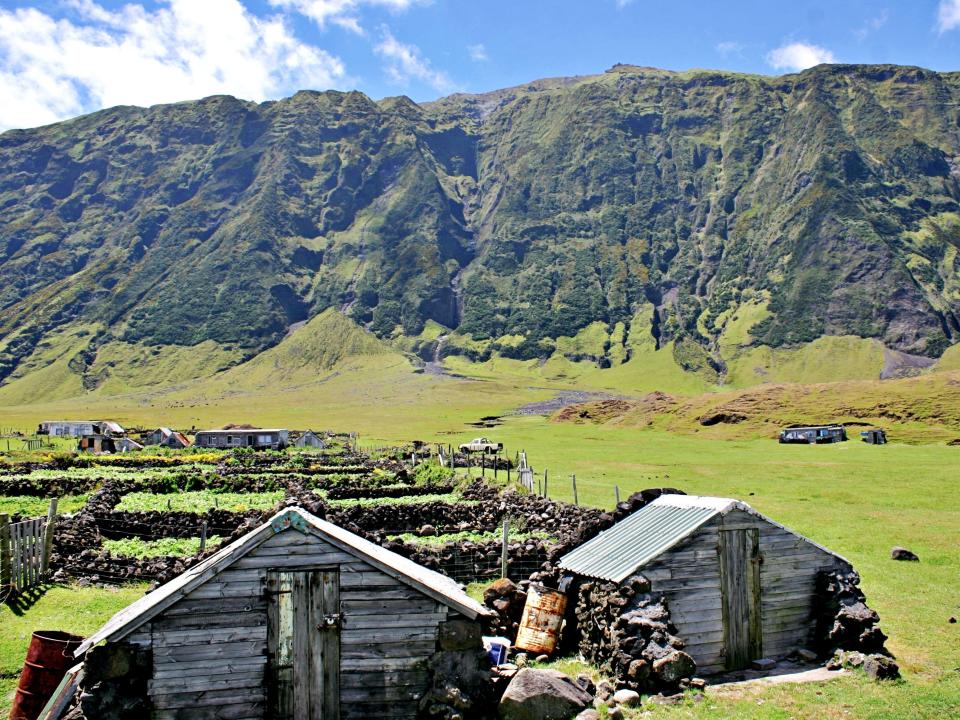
(716, 218)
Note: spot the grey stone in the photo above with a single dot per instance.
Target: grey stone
(807, 656)
(615, 712)
(899, 553)
(880, 667)
(672, 668)
(542, 658)
(586, 683)
(542, 695)
(625, 697)
(588, 714)
(605, 690)
(763, 664)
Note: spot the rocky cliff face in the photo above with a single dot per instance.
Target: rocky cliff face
(828, 202)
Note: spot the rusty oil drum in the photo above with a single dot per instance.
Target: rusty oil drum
(49, 657)
(540, 625)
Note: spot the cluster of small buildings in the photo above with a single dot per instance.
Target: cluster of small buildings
(105, 436)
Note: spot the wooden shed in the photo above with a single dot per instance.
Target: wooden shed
(738, 585)
(297, 619)
(309, 439)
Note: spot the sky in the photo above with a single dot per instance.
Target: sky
(62, 58)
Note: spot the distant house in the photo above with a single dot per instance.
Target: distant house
(874, 437)
(165, 437)
(97, 443)
(79, 428)
(259, 438)
(814, 435)
(309, 439)
(126, 444)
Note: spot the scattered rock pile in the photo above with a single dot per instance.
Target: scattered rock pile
(507, 600)
(626, 631)
(846, 625)
(460, 671)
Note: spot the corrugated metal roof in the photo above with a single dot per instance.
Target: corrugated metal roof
(615, 554)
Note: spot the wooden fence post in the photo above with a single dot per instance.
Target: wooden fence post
(5, 579)
(616, 493)
(546, 494)
(574, 479)
(48, 536)
(203, 537)
(506, 539)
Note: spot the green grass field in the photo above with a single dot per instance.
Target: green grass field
(856, 499)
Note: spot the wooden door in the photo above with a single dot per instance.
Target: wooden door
(304, 644)
(740, 595)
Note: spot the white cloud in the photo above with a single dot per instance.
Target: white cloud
(51, 69)
(621, 4)
(404, 63)
(344, 13)
(873, 24)
(478, 53)
(729, 47)
(799, 56)
(948, 15)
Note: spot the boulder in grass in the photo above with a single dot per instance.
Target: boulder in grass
(881, 667)
(542, 695)
(674, 667)
(899, 553)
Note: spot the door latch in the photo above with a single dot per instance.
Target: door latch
(329, 621)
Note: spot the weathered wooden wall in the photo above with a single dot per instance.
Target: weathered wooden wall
(210, 648)
(689, 577)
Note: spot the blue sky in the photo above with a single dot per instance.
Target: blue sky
(60, 58)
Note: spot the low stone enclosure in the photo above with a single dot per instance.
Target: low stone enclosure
(636, 624)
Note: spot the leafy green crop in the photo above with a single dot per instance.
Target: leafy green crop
(199, 501)
(164, 547)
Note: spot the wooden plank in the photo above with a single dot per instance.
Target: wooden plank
(279, 678)
(401, 635)
(375, 650)
(330, 647)
(294, 562)
(385, 608)
(214, 606)
(219, 620)
(241, 711)
(351, 664)
(202, 682)
(170, 669)
(207, 636)
(6, 559)
(218, 651)
(383, 693)
(208, 698)
(755, 615)
(354, 680)
(227, 590)
(408, 620)
(300, 594)
(394, 593)
(354, 579)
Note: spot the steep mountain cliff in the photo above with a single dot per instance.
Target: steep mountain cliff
(708, 212)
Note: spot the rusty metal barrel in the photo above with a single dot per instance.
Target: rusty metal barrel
(49, 657)
(542, 615)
